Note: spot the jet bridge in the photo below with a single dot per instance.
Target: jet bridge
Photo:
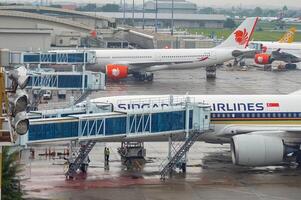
(98, 123)
(54, 58)
(154, 124)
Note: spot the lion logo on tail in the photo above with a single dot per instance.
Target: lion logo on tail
(241, 37)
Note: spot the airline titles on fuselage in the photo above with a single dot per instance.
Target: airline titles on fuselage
(215, 107)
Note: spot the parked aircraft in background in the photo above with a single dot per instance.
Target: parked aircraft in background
(118, 64)
(283, 50)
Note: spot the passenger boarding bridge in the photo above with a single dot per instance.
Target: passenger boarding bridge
(90, 122)
(54, 58)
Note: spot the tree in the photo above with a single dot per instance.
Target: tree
(229, 23)
(207, 10)
(55, 6)
(110, 8)
(257, 11)
(90, 7)
(10, 169)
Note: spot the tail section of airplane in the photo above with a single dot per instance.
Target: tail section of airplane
(239, 39)
(289, 36)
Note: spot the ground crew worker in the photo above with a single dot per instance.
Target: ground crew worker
(107, 154)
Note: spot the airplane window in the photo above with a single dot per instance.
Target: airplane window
(223, 115)
(299, 114)
(263, 115)
(242, 115)
(253, 115)
(284, 114)
(233, 115)
(258, 115)
(274, 114)
(269, 115)
(289, 115)
(248, 115)
(213, 115)
(295, 114)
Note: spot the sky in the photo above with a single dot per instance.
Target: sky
(214, 3)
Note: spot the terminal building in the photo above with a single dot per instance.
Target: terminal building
(181, 20)
(164, 6)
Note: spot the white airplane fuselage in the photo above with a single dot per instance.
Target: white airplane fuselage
(252, 112)
(292, 48)
(161, 59)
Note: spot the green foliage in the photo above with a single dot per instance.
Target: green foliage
(110, 8)
(90, 7)
(263, 35)
(10, 169)
(55, 6)
(257, 11)
(229, 23)
(207, 10)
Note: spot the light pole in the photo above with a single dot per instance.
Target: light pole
(143, 15)
(156, 20)
(133, 13)
(123, 22)
(172, 16)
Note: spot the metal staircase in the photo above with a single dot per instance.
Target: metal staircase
(79, 160)
(179, 151)
(83, 96)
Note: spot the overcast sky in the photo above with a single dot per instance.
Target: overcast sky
(292, 4)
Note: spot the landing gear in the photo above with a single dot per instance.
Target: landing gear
(211, 72)
(146, 76)
(290, 66)
(298, 158)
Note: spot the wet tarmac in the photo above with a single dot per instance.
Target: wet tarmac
(210, 173)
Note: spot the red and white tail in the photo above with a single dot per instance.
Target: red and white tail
(239, 39)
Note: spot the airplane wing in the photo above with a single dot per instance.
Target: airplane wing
(289, 133)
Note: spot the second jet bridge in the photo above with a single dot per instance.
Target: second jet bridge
(59, 57)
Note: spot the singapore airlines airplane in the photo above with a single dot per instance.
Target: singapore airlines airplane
(118, 64)
(262, 129)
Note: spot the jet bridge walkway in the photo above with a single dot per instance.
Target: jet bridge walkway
(151, 124)
(60, 57)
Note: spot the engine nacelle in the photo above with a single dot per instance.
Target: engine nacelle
(257, 150)
(116, 72)
(263, 59)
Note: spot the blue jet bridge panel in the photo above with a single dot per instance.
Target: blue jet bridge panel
(69, 127)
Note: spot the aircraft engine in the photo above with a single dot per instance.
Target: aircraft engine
(263, 58)
(116, 71)
(257, 150)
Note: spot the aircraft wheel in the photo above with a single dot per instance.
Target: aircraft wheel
(150, 77)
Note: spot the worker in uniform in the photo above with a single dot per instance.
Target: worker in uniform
(107, 155)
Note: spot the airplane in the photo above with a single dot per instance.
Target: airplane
(284, 45)
(118, 64)
(263, 130)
